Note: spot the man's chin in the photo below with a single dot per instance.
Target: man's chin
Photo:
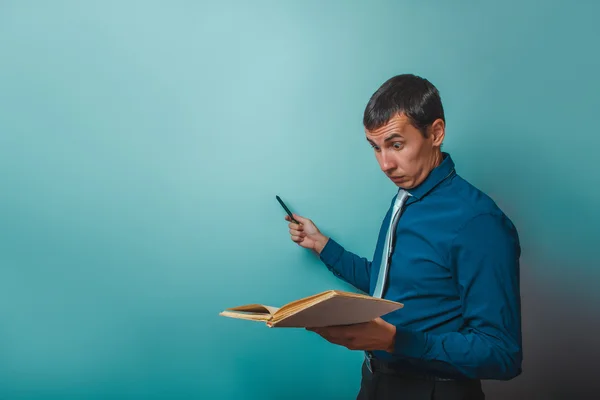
(402, 183)
(399, 180)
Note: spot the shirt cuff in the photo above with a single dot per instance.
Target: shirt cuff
(331, 253)
(409, 343)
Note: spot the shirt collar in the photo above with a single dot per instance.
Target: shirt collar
(435, 177)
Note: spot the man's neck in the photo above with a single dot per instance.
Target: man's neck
(437, 160)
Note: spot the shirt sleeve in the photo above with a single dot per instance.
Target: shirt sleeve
(485, 257)
(346, 265)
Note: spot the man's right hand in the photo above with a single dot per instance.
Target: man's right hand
(306, 234)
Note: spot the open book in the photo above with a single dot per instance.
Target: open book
(332, 307)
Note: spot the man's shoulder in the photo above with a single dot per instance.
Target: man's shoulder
(472, 201)
(482, 220)
(473, 197)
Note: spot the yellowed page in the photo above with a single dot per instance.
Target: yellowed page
(255, 308)
(253, 312)
(244, 315)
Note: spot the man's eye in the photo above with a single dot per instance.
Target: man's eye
(397, 146)
(376, 148)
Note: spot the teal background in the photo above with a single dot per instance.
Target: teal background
(142, 145)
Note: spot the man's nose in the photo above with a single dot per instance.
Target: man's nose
(387, 163)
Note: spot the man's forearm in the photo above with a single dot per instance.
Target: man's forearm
(476, 355)
(344, 264)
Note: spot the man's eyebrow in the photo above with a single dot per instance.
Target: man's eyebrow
(392, 136)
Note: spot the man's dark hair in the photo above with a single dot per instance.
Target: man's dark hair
(411, 95)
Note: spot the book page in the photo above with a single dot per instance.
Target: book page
(255, 308)
(335, 310)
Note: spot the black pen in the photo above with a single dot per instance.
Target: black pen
(286, 209)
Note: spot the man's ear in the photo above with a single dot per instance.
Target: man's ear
(437, 130)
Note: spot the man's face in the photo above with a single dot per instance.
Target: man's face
(404, 155)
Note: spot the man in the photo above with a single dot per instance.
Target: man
(453, 262)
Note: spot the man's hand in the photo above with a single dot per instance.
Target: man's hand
(306, 234)
(373, 335)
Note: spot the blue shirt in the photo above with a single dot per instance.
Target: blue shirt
(455, 267)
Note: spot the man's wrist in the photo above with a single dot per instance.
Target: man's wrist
(320, 243)
(391, 342)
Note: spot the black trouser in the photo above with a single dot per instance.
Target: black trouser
(385, 386)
